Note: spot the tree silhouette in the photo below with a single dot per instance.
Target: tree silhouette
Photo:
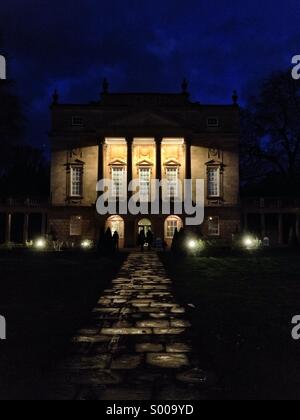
(26, 174)
(24, 170)
(174, 246)
(271, 132)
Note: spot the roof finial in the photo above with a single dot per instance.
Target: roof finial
(235, 97)
(185, 86)
(55, 97)
(105, 86)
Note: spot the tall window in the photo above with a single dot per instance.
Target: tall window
(213, 226)
(172, 179)
(76, 181)
(172, 223)
(145, 183)
(118, 182)
(213, 177)
(75, 226)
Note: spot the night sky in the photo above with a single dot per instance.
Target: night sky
(142, 45)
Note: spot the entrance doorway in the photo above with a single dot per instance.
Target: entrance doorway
(116, 224)
(146, 225)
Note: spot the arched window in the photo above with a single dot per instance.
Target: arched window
(145, 224)
(116, 224)
(171, 224)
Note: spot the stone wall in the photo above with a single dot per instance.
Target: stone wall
(60, 164)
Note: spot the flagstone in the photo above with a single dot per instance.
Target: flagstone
(153, 324)
(149, 348)
(178, 348)
(171, 331)
(126, 362)
(167, 360)
(126, 331)
(195, 376)
(180, 323)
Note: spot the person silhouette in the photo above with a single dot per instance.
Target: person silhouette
(116, 238)
(150, 239)
(142, 239)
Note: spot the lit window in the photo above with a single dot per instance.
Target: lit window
(76, 181)
(213, 226)
(213, 178)
(173, 223)
(145, 183)
(172, 180)
(118, 182)
(213, 122)
(76, 226)
(77, 121)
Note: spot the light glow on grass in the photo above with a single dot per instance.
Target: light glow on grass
(86, 244)
(40, 243)
(249, 242)
(192, 244)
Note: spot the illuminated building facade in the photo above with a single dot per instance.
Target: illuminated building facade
(142, 136)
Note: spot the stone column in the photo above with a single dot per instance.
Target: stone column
(129, 161)
(101, 160)
(8, 229)
(188, 159)
(25, 228)
(280, 229)
(158, 142)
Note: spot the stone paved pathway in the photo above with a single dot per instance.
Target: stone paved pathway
(137, 344)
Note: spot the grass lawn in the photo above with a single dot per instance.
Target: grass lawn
(242, 321)
(45, 298)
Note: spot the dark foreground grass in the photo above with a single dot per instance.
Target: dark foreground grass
(242, 321)
(45, 299)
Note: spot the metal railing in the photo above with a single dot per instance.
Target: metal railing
(24, 202)
(271, 203)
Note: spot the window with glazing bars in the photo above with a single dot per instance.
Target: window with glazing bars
(145, 183)
(214, 226)
(172, 225)
(118, 182)
(172, 179)
(76, 182)
(213, 179)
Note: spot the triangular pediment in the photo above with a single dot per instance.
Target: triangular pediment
(172, 162)
(145, 162)
(213, 162)
(117, 162)
(144, 119)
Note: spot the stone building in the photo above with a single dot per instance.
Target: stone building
(142, 136)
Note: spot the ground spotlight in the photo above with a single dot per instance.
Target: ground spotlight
(40, 243)
(192, 244)
(250, 242)
(86, 244)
